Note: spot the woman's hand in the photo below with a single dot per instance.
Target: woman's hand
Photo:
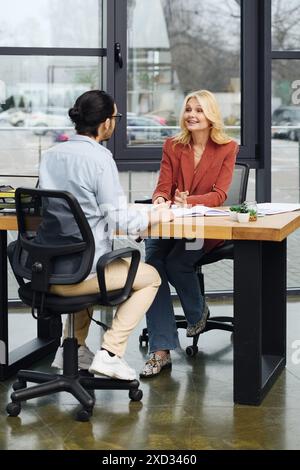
(180, 198)
(161, 213)
(159, 200)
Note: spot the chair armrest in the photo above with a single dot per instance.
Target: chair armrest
(143, 201)
(225, 251)
(104, 261)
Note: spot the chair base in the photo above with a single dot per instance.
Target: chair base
(213, 323)
(80, 384)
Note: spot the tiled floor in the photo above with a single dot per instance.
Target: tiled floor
(189, 407)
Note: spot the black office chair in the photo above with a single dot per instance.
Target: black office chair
(55, 245)
(236, 195)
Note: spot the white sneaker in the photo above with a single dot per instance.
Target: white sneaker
(115, 367)
(85, 358)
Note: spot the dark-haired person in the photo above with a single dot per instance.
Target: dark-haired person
(87, 170)
(196, 168)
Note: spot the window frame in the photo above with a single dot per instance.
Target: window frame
(148, 158)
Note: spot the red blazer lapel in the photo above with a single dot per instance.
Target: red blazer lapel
(186, 169)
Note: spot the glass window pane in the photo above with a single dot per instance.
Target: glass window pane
(285, 25)
(286, 148)
(34, 112)
(176, 47)
(51, 23)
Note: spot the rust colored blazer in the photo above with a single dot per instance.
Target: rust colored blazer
(207, 184)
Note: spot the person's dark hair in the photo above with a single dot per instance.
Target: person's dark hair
(89, 110)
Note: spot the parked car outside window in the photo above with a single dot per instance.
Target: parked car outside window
(146, 129)
(48, 117)
(41, 117)
(12, 117)
(286, 116)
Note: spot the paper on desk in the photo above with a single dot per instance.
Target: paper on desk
(270, 208)
(8, 210)
(198, 210)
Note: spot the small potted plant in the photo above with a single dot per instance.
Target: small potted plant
(233, 212)
(243, 214)
(253, 215)
(252, 206)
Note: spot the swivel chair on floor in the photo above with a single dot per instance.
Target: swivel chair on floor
(236, 195)
(55, 245)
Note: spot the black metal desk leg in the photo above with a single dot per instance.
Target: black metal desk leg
(274, 299)
(48, 331)
(260, 318)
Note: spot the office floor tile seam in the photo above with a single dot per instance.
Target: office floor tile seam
(189, 407)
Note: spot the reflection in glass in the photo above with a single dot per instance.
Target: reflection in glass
(39, 92)
(285, 25)
(176, 47)
(51, 23)
(286, 149)
(286, 100)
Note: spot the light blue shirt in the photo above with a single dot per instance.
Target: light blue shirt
(88, 171)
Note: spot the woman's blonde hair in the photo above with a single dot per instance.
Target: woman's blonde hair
(212, 112)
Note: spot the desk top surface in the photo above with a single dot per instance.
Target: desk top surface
(8, 222)
(270, 228)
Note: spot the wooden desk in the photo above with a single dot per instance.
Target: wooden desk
(48, 335)
(259, 298)
(259, 293)
(269, 228)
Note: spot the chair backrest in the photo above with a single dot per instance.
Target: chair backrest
(238, 188)
(55, 243)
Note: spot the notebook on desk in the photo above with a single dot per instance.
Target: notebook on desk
(7, 197)
(7, 200)
(198, 210)
(270, 208)
(7, 210)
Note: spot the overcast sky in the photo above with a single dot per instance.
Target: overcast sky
(26, 22)
(149, 26)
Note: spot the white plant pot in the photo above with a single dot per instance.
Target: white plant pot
(243, 218)
(233, 215)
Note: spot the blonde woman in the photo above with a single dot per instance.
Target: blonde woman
(196, 168)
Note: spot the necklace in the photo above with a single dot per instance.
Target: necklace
(199, 152)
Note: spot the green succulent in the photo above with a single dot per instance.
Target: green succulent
(243, 208)
(235, 208)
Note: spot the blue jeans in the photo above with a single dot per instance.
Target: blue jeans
(175, 264)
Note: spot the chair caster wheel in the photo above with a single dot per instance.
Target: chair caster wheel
(191, 351)
(19, 384)
(13, 408)
(84, 415)
(136, 395)
(143, 339)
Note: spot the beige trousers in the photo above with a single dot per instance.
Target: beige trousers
(128, 314)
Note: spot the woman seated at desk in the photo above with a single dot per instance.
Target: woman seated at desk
(197, 168)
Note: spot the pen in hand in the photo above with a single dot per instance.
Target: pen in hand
(180, 198)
